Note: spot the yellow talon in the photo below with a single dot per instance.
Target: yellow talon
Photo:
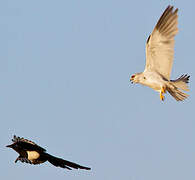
(162, 91)
(161, 96)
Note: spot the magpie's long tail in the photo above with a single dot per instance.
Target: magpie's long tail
(58, 162)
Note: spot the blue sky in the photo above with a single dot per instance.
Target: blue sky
(64, 74)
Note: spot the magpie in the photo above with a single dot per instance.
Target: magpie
(31, 153)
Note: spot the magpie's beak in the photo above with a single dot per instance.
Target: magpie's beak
(9, 146)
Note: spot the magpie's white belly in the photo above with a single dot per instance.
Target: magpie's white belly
(33, 155)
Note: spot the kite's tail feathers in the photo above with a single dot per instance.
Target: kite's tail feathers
(177, 94)
(182, 82)
(175, 87)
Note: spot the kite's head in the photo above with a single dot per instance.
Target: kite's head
(137, 78)
(132, 78)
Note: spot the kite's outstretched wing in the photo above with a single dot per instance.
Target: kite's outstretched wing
(160, 44)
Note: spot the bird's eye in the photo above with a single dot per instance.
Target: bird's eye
(144, 77)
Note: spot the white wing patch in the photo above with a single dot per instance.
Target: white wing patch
(33, 155)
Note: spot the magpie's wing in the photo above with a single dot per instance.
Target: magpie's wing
(23, 160)
(27, 144)
(58, 162)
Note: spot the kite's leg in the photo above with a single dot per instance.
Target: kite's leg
(162, 91)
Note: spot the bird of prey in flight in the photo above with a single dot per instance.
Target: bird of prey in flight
(159, 59)
(31, 153)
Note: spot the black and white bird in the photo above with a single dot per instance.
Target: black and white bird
(31, 153)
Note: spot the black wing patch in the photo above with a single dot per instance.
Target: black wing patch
(23, 159)
(27, 144)
(184, 78)
(148, 39)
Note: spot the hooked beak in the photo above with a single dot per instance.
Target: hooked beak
(131, 80)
